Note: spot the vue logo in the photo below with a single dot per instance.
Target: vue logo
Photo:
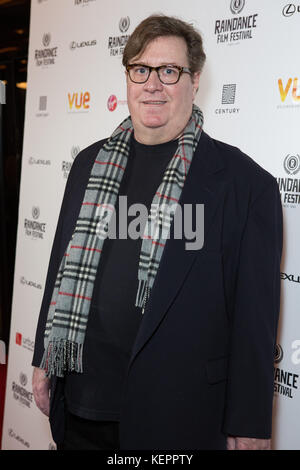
(79, 101)
(290, 88)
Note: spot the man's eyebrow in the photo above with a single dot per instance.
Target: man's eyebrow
(161, 65)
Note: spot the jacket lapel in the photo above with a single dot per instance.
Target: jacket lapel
(203, 186)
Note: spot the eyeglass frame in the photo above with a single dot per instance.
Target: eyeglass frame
(178, 67)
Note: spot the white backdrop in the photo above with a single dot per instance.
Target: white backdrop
(250, 95)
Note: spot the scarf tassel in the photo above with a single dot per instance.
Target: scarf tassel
(62, 356)
(143, 294)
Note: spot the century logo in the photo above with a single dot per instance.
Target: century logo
(228, 99)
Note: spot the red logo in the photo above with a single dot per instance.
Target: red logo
(112, 103)
(19, 339)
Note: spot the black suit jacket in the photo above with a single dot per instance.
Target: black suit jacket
(202, 363)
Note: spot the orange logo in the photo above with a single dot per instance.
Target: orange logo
(284, 90)
(79, 100)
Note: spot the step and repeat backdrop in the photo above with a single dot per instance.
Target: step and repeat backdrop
(76, 94)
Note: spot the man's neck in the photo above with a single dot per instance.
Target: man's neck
(156, 136)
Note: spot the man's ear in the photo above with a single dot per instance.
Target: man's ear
(195, 81)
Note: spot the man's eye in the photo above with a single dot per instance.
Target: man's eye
(169, 71)
(140, 70)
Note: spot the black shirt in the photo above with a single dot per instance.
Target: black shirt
(113, 319)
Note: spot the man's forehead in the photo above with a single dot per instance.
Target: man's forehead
(163, 50)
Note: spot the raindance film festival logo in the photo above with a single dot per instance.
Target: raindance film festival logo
(289, 187)
(116, 44)
(238, 28)
(289, 89)
(21, 393)
(33, 227)
(66, 165)
(47, 55)
(228, 98)
(285, 380)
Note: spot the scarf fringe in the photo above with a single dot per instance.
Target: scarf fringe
(62, 356)
(143, 294)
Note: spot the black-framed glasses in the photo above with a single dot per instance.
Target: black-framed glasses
(167, 74)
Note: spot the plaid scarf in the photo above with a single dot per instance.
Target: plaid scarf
(70, 304)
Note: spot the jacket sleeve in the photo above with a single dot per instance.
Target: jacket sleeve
(250, 384)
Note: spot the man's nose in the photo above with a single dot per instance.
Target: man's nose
(153, 83)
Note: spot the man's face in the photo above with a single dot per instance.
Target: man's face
(160, 112)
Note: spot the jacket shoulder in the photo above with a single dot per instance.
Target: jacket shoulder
(240, 167)
(88, 154)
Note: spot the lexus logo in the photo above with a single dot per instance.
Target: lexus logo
(289, 9)
(236, 6)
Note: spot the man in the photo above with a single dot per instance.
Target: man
(145, 340)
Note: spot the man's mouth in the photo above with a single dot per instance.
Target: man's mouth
(154, 102)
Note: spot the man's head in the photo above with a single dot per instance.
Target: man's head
(159, 25)
(160, 107)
